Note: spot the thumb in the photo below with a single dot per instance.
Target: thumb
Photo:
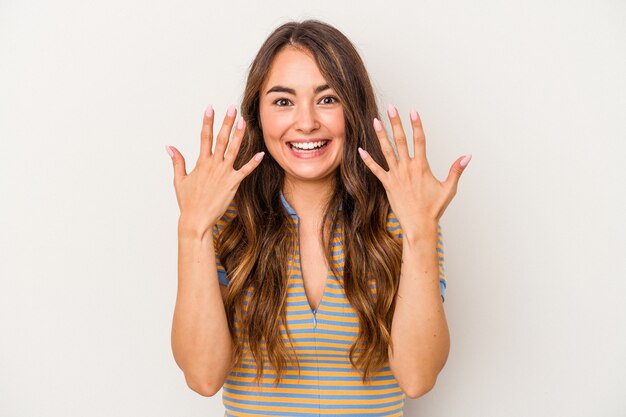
(178, 161)
(457, 169)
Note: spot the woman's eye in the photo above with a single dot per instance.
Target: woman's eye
(281, 102)
(329, 100)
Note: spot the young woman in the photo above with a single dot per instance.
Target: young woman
(310, 275)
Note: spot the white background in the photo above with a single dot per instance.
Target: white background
(534, 240)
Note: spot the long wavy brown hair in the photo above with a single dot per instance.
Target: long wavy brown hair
(254, 247)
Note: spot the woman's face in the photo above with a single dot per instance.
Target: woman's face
(301, 117)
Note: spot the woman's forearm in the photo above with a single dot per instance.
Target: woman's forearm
(201, 341)
(419, 329)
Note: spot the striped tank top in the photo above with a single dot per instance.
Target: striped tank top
(327, 384)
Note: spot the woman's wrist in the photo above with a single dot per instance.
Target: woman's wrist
(190, 228)
(425, 231)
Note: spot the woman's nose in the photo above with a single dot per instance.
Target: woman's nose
(306, 119)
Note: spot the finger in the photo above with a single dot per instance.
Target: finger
(245, 170)
(235, 143)
(206, 136)
(224, 134)
(398, 134)
(456, 170)
(179, 163)
(390, 156)
(419, 139)
(376, 169)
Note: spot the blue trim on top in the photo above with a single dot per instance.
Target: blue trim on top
(286, 205)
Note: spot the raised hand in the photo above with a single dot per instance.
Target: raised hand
(416, 197)
(204, 194)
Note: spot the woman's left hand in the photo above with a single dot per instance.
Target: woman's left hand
(417, 198)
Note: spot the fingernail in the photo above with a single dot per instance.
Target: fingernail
(240, 123)
(259, 156)
(413, 115)
(209, 111)
(363, 153)
(169, 151)
(377, 125)
(231, 110)
(466, 160)
(391, 110)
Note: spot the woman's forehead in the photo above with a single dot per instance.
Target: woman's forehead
(295, 69)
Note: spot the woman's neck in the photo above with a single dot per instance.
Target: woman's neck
(308, 198)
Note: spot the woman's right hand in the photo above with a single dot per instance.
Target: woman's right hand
(204, 194)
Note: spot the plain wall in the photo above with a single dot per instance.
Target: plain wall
(534, 240)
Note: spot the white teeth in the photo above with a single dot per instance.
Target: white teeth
(307, 145)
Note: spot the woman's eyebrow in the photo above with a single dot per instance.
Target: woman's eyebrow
(281, 89)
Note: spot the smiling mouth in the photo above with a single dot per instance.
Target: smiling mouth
(308, 146)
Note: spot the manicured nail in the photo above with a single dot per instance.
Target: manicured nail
(377, 125)
(391, 110)
(466, 160)
(240, 123)
(259, 156)
(363, 153)
(169, 151)
(231, 110)
(413, 115)
(209, 111)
